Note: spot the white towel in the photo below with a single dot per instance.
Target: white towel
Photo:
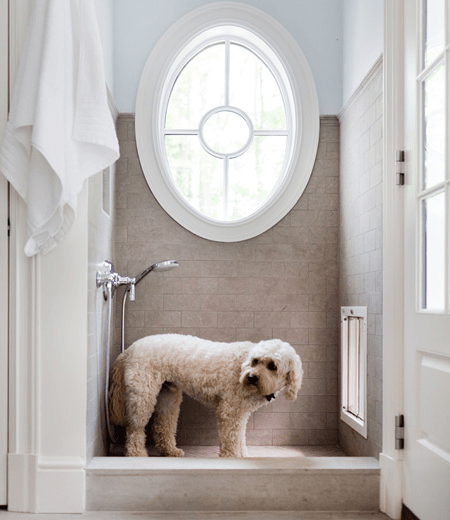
(60, 130)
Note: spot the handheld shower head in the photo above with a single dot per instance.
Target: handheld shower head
(167, 265)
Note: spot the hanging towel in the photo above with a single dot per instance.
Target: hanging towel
(60, 130)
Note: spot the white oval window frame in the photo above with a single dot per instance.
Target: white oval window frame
(165, 58)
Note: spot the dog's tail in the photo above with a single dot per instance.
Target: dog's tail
(117, 404)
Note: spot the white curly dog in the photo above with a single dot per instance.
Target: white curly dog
(234, 378)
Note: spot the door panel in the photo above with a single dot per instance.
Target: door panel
(426, 476)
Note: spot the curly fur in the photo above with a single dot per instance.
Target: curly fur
(234, 378)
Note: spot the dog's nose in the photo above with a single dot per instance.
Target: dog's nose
(252, 379)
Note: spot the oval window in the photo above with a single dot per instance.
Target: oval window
(226, 117)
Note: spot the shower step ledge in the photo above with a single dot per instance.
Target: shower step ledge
(213, 484)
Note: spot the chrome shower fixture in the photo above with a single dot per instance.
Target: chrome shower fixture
(107, 275)
(167, 265)
(109, 278)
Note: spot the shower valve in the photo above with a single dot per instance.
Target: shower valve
(106, 275)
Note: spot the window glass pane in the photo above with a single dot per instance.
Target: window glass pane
(199, 88)
(197, 174)
(433, 243)
(434, 128)
(226, 132)
(254, 90)
(433, 29)
(253, 175)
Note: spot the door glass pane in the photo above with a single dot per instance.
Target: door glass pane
(199, 87)
(433, 257)
(433, 29)
(434, 128)
(254, 90)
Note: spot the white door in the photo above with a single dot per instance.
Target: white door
(3, 257)
(426, 478)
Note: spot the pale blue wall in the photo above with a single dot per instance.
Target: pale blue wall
(316, 25)
(341, 40)
(362, 41)
(105, 17)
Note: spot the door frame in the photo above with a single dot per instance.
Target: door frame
(4, 314)
(391, 460)
(47, 350)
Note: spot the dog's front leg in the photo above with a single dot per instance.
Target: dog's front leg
(231, 425)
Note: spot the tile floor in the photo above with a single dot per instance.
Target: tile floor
(256, 515)
(253, 451)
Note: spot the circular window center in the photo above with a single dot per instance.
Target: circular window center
(225, 132)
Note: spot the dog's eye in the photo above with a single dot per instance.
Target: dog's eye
(271, 366)
(255, 362)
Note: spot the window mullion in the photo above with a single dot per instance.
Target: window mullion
(270, 132)
(225, 187)
(227, 72)
(179, 131)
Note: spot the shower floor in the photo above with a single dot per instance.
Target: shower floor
(253, 451)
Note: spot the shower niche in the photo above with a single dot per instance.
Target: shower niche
(281, 284)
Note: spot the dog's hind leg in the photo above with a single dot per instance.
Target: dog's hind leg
(141, 394)
(165, 420)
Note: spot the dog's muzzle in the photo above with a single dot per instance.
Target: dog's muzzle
(252, 379)
(270, 397)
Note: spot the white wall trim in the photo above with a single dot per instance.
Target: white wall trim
(112, 105)
(47, 352)
(22, 468)
(46, 486)
(61, 484)
(390, 458)
(391, 486)
(373, 72)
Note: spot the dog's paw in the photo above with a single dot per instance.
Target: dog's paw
(137, 453)
(228, 454)
(174, 452)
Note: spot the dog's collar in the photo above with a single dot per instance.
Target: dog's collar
(271, 397)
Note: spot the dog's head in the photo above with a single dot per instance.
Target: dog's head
(271, 366)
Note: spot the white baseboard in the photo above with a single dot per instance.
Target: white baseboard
(391, 486)
(48, 485)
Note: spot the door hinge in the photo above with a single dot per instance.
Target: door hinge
(400, 168)
(399, 432)
(9, 227)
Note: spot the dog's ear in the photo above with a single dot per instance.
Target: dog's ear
(293, 378)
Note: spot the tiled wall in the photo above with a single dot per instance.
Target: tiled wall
(361, 239)
(100, 248)
(281, 284)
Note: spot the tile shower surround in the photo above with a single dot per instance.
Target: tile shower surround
(361, 241)
(100, 239)
(281, 284)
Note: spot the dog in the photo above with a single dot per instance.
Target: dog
(234, 378)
